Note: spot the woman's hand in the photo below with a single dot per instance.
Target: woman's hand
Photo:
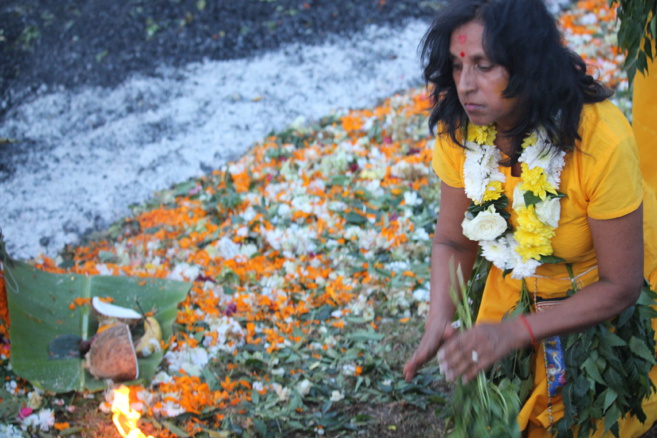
(469, 352)
(450, 248)
(436, 331)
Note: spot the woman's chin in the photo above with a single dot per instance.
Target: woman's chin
(479, 121)
(477, 118)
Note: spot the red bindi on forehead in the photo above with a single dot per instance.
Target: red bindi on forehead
(462, 54)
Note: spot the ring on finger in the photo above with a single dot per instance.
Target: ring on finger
(475, 356)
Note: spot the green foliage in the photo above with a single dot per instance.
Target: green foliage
(607, 370)
(637, 33)
(499, 204)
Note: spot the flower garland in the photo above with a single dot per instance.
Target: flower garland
(535, 201)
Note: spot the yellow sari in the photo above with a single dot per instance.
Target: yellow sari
(601, 180)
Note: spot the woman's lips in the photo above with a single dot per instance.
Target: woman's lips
(470, 107)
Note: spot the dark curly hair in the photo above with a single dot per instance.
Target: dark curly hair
(521, 35)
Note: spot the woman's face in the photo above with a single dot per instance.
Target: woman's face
(479, 82)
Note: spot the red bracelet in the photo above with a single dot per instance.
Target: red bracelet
(529, 328)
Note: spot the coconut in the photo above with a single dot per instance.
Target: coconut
(112, 354)
(106, 313)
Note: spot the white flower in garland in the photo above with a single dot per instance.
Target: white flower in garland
(535, 200)
(479, 171)
(521, 268)
(497, 252)
(549, 212)
(487, 225)
(542, 155)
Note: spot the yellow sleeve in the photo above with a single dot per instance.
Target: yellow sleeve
(447, 161)
(611, 171)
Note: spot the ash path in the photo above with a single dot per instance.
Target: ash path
(83, 156)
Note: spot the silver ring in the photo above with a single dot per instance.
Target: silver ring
(475, 356)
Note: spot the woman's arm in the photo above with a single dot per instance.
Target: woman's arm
(619, 250)
(449, 243)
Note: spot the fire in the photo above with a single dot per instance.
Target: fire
(124, 417)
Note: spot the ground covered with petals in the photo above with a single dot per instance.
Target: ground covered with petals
(309, 259)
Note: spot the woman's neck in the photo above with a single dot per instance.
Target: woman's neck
(505, 145)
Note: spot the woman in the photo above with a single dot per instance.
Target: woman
(540, 171)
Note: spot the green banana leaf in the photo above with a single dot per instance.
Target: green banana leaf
(40, 315)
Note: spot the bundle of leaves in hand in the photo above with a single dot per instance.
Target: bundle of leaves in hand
(480, 407)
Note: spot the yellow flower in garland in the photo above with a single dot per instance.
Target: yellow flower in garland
(530, 140)
(482, 134)
(535, 180)
(533, 236)
(528, 220)
(491, 133)
(534, 252)
(526, 238)
(494, 190)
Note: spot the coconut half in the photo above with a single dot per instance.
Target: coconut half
(112, 354)
(107, 313)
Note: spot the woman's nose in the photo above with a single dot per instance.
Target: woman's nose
(466, 80)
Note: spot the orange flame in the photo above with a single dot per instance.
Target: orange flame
(124, 417)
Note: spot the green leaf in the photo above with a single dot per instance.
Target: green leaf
(363, 335)
(107, 257)
(640, 349)
(611, 417)
(324, 312)
(647, 297)
(184, 188)
(531, 198)
(551, 259)
(355, 218)
(339, 180)
(39, 310)
(382, 272)
(326, 406)
(581, 387)
(209, 377)
(613, 379)
(610, 397)
(175, 429)
(612, 340)
(260, 426)
(592, 369)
